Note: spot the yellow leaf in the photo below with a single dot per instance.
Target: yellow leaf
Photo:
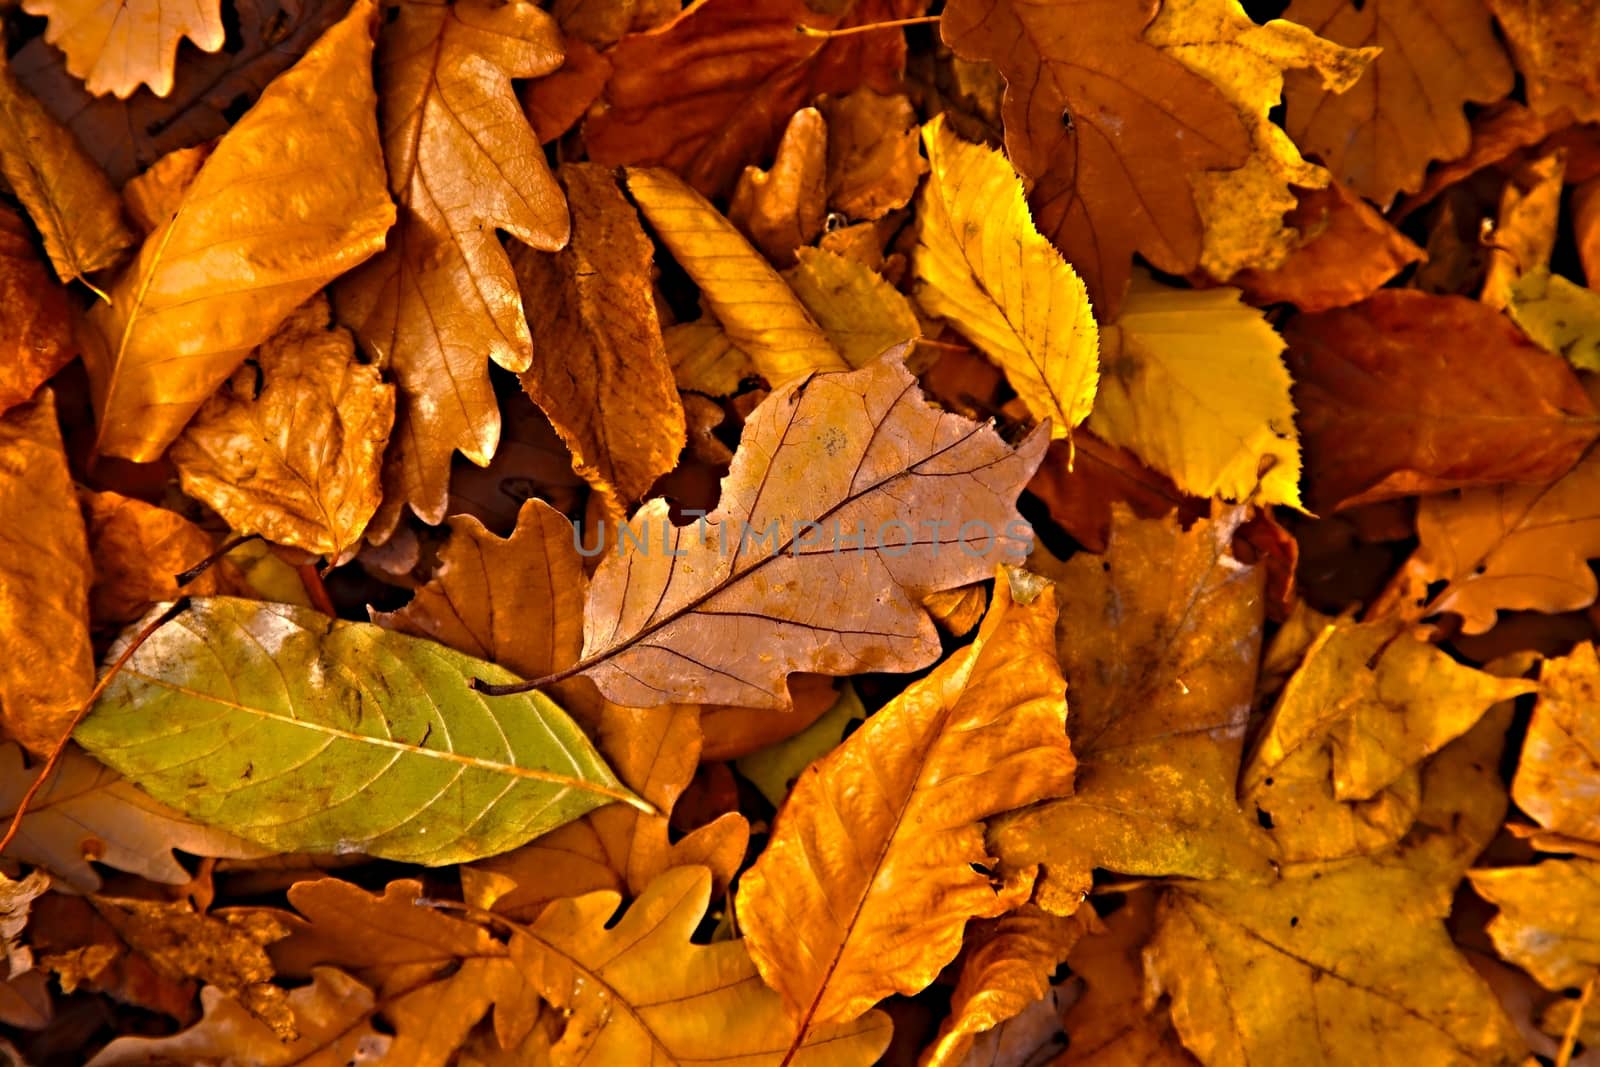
(1192, 383)
(1524, 231)
(117, 45)
(756, 307)
(1243, 208)
(1558, 776)
(704, 360)
(1549, 921)
(291, 447)
(862, 314)
(867, 881)
(292, 197)
(981, 263)
(1558, 315)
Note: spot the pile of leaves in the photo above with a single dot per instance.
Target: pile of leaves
(799, 532)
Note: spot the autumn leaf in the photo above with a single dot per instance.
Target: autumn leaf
(874, 158)
(1554, 46)
(16, 898)
(1406, 111)
(867, 881)
(981, 264)
(1546, 923)
(36, 335)
(138, 550)
(860, 312)
(775, 768)
(1558, 315)
(1109, 129)
(704, 359)
(291, 446)
(348, 761)
(462, 163)
(1558, 774)
(118, 45)
(240, 255)
(783, 209)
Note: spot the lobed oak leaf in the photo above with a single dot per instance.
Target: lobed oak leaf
(291, 447)
(834, 475)
(874, 159)
(1108, 127)
(600, 370)
(1406, 111)
(1193, 383)
(263, 226)
(1243, 209)
(36, 334)
(463, 163)
(48, 668)
(1558, 774)
(711, 91)
(861, 313)
(1555, 46)
(762, 316)
(115, 46)
(1546, 923)
(1388, 411)
(138, 549)
(981, 264)
(783, 209)
(867, 882)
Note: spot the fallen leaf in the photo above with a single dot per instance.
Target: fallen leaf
(775, 768)
(1109, 129)
(1081, 485)
(638, 991)
(1388, 411)
(867, 882)
(1558, 316)
(1523, 234)
(1192, 382)
(1546, 923)
(1586, 228)
(874, 156)
(16, 899)
(600, 370)
(116, 46)
(48, 669)
(138, 550)
(759, 311)
(25, 1001)
(711, 91)
(428, 772)
(36, 335)
(1436, 56)
(463, 163)
(247, 246)
(704, 359)
(1555, 46)
(730, 731)
(603, 24)
(1558, 773)
(981, 264)
(154, 196)
(1243, 209)
(69, 199)
(556, 103)
(860, 312)
(742, 595)
(782, 209)
(291, 446)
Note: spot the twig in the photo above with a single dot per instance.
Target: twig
(185, 577)
(849, 31)
(1569, 1040)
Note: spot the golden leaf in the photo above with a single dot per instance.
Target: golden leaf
(867, 881)
(1524, 231)
(1558, 315)
(1193, 383)
(1556, 46)
(1243, 209)
(36, 333)
(704, 360)
(138, 549)
(782, 209)
(1558, 775)
(862, 314)
(981, 264)
(462, 163)
(292, 446)
(874, 159)
(760, 313)
(155, 195)
(289, 199)
(118, 45)
(639, 991)
(1548, 921)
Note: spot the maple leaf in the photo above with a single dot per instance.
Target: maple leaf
(290, 447)
(246, 247)
(680, 1001)
(1387, 411)
(137, 550)
(782, 209)
(463, 163)
(981, 264)
(36, 334)
(1110, 153)
(1558, 773)
(115, 46)
(867, 881)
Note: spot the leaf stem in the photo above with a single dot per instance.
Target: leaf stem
(311, 578)
(1569, 1040)
(850, 31)
(185, 577)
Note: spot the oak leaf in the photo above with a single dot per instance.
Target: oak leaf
(1387, 411)
(874, 158)
(36, 334)
(48, 668)
(861, 313)
(759, 311)
(1108, 127)
(1546, 923)
(867, 881)
(292, 445)
(1555, 46)
(1406, 111)
(600, 370)
(463, 163)
(247, 246)
(723, 609)
(1558, 775)
(138, 549)
(711, 91)
(116, 46)
(1192, 382)
(783, 209)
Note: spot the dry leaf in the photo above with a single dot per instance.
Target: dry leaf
(1080, 488)
(1523, 234)
(1559, 316)
(555, 103)
(868, 879)
(247, 246)
(463, 163)
(1406, 111)
(16, 899)
(138, 550)
(1558, 775)
(704, 359)
(861, 313)
(292, 445)
(1546, 923)
(36, 334)
(1108, 127)
(1555, 46)
(118, 45)
(874, 156)
(782, 209)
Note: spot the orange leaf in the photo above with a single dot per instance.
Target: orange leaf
(35, 334)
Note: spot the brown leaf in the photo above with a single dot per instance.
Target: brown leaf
(556, 102)
(248, 245)
(1386, 410)
(1498, 133)
(48, 667)
(602, 23)
(16, 899)
(730, 732)
(711, 91)
(1406, 111)
(116, 46)
(68, 198)
(1586, 228)
(138, 549)
(1081, 483)
(766, 585)
(874, 153)
(600, 370)
(782, 209)
(1558, 774)
(867, 881)
(1108, 127)
(1555, 46)
(36, 334)
(463, 163)
(292, 445)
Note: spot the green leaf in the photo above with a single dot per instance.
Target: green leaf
(774, 768)
(305, 733)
